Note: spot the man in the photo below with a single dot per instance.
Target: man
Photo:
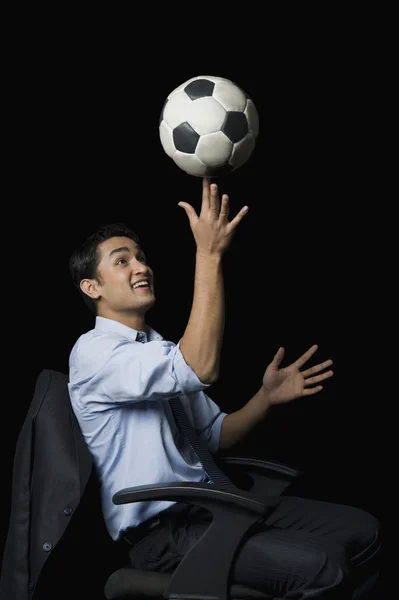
(122, 374)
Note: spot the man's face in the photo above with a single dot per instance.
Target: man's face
(122, 265)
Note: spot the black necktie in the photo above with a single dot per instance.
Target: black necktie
(198, 445)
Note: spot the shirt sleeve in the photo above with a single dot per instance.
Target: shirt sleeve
(120, 371)
(208, 419)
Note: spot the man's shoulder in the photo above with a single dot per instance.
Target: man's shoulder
(96, 338)
(94, 347)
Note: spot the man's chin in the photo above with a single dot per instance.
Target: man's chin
(144, 306)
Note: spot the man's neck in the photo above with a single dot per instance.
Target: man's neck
(132, 321)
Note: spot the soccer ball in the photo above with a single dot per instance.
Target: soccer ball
(208, 126)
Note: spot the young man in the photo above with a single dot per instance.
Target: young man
(122, 374)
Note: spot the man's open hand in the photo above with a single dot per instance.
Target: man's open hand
(283, 385)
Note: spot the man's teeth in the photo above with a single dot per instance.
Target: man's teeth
(140, 284)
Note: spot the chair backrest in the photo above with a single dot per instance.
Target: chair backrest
(56, 531)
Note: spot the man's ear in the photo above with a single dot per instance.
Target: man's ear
(90, 287)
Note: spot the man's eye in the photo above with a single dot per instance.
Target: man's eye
(120, 260)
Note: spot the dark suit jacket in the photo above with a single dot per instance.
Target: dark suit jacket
(52, 467)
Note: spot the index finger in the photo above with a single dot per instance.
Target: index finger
(206, 193)
(305, 357)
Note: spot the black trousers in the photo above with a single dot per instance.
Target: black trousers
(304, 549)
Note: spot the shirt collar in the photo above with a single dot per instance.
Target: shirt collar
(104, 324)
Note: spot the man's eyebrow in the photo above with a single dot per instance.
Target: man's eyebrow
(123, 249)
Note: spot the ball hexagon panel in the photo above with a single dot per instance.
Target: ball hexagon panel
(177, 109)
(230, 96)
(242, 151)
(166, 136)
(190, 163)
(206, 115)
(214, 149)
(252, 117)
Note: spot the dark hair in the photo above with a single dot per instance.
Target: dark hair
(85, 259)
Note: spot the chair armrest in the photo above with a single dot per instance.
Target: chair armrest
(201, 494)
(267, 466)
(262, 477)
(233, 510)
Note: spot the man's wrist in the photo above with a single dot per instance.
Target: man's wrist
(213, 257)
(260, 402)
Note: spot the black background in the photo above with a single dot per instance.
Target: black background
(85, 150)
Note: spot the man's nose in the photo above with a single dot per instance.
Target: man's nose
(138, 267)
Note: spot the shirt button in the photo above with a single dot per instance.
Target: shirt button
(67, 511)
(47, 546)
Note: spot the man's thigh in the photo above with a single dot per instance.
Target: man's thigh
(335, 525)
(348, 527)
(301, 541)
(276, 559)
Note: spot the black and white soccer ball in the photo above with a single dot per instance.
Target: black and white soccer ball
(208, 126)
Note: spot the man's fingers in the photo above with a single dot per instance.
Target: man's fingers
(190, 211)
(317, 368)
(224, 209)
(310, 391)
(278, 357)
(305, 357)
(214, 200)
(206, 193)
(238, 218)
(319, 378)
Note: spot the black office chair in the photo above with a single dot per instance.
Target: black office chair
(51, 475)
(214, 552)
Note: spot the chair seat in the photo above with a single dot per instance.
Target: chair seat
(131, 583)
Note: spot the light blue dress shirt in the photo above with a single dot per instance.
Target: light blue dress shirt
(119, 389)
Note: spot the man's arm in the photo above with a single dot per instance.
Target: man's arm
(237, 425)
(202, 340)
